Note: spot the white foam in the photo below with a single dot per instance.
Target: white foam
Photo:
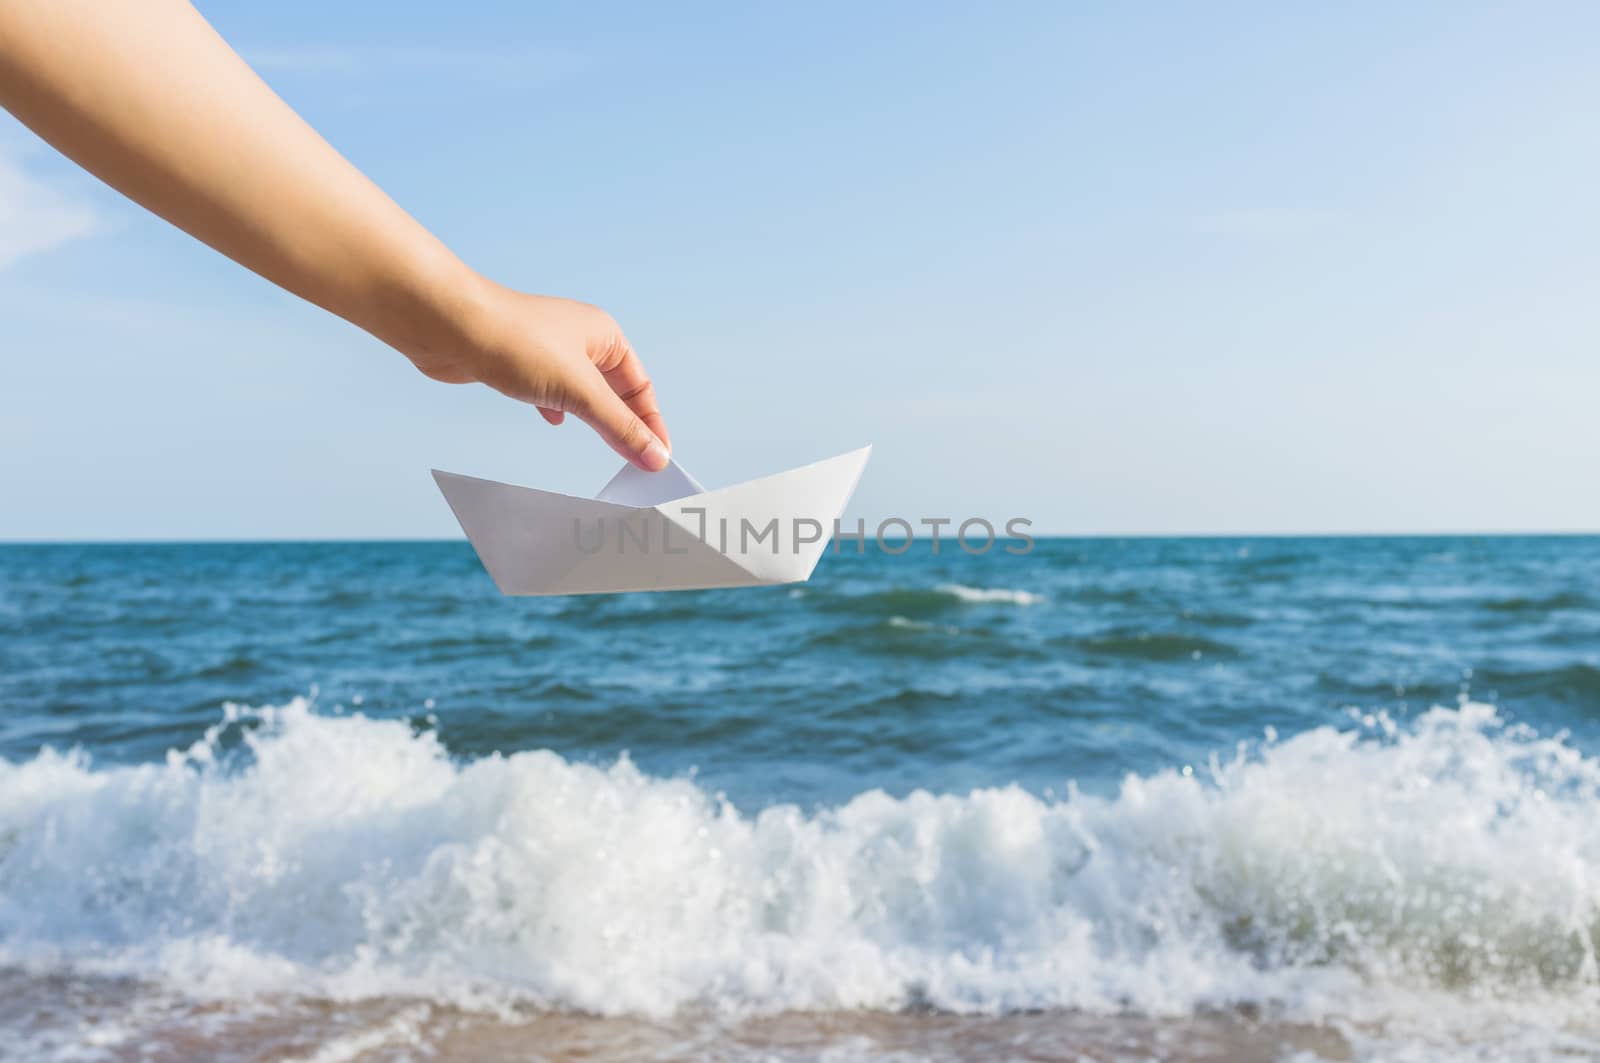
(990, 595)
(1443, 874)
(403, 1029)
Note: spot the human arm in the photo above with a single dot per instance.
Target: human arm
(146, 95)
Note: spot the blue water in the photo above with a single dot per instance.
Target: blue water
(1350, 783)
(1085, 660)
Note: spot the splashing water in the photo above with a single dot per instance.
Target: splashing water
(1353, 872)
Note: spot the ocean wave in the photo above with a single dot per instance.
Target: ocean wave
(1575, 682)
(920, 602)
(1548, 603)
(1093, 595)
(989, 595)
(348, 858)
(1153, 646)
(903, 637)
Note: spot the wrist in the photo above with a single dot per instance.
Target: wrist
(438, 310)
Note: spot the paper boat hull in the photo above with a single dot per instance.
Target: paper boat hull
(766, 531)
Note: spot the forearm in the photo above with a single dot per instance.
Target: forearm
(144, 94)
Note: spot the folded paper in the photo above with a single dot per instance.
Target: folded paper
(654, 531)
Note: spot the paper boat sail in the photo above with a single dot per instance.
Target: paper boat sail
(654, 531)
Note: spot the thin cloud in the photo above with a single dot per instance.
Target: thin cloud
(500, 67)
(34, 217)
(1266, 223)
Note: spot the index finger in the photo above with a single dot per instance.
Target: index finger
(632, 385)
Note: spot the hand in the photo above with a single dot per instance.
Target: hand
(564, 357)
(146, 95)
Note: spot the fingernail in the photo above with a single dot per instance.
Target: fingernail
(655, 457)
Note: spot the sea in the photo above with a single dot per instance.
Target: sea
(1176, 799)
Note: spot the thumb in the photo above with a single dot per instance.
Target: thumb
(619, 426)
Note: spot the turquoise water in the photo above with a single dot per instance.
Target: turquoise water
(1083, 661)
(1344, 788)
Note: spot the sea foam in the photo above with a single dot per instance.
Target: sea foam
(989, 595)
(1339, 871)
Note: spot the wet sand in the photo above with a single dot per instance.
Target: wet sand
(116, 1019)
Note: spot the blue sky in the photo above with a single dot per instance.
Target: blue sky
(1119, 268)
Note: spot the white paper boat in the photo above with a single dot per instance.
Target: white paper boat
(654, 531)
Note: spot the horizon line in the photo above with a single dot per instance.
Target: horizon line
(1053, 536)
